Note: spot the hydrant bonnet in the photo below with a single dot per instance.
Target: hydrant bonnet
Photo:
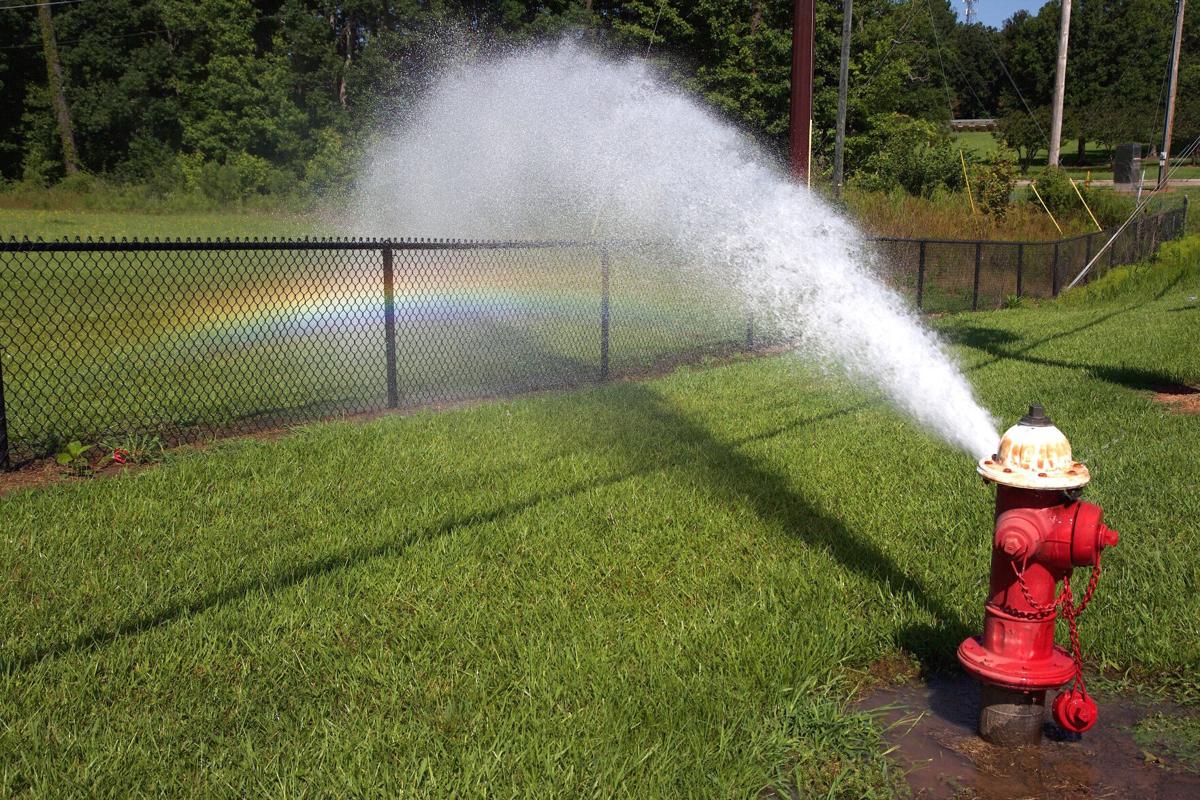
(1033, 454)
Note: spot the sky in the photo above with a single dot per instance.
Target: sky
(994, 12)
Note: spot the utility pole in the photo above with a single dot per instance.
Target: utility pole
(1164, 157)
(839, 148)
(800, 111)
(1060, 83)
(62, 112)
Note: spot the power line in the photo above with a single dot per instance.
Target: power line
(35, 5)
(883, 62)
(83, 38)
(1016, 88)
(958, 68)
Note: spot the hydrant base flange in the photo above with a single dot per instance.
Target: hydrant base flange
(1017, 674)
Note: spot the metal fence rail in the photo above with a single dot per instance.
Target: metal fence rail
(106, 340)
(947, 275)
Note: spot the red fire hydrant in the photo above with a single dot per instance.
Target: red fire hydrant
(1043, 531)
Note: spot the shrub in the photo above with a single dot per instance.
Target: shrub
(1054, 187)
(993, 187)
(911, 154)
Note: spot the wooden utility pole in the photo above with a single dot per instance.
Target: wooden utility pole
(800, 111)
(839, 148)
(1164, 157)
(1060, 83)
(62, 112)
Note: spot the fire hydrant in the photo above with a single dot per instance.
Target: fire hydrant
(1042, 532)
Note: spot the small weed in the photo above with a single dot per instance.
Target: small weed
(73, 456)
(134, 448)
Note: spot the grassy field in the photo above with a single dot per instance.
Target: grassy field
(69, 223)
(667, 588)
(985, 146)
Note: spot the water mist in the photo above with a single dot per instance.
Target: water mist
(558, 142)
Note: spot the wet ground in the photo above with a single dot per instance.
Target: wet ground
(932, 727)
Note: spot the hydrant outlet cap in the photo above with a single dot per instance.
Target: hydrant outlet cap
(1034, 454)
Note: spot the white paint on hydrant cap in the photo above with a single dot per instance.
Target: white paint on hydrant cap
(1034, 454)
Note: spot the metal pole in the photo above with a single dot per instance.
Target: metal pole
(604, 301)
(389, 328)
(800, 110)
(978, 264)
(1164, 157)
(750, 332)
(921, 276)
(1060, 82)
(839, 148)
(1054, 271)
(1087, 250)
(1020, 267)
(4, 461)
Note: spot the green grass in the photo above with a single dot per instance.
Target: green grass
(50, 224)
(985, 146)
(651, 589)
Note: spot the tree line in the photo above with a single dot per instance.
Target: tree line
(236, 97)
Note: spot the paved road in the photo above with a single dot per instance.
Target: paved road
(1183, 183)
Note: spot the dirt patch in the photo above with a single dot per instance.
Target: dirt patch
(1180, 398)
(932, 727)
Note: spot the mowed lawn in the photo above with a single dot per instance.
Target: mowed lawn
(52, 224)
(651, 589)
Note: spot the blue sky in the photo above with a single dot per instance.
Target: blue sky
(994, 12)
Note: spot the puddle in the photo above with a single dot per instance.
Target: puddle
(932, 727)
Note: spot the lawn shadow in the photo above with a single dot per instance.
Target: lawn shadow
(991, 341)
(651, 435)
(678, 440)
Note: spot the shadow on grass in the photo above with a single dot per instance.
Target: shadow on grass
(991, 341)
(651, 435)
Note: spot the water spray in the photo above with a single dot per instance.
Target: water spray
(539, 143)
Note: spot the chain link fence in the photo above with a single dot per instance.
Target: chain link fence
(182, 340)
(103, 341)
(949, 275)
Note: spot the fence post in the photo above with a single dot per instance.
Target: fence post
(1054, 271)
(921, 276)
(1112, 250)
(4, 462)
(389, 327)
(1087, 251)
(978, 264)
(1020, 266)
(1183, 222)
(750, 331)
(604, 300)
